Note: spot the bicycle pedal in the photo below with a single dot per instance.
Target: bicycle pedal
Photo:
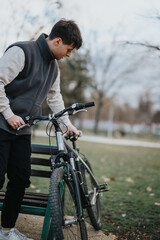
(70, 221)
(103, 187)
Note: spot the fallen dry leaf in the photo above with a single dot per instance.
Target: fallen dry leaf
(123, 214)
(129, 180)
(151, 194)
(38, 190)
(112, 179)
(111, 236)
(106, 179)
(149, 189)
(157, 204)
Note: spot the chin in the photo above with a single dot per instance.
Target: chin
(58, 58)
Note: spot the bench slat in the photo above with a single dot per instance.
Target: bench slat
(29, 194)
(44, 149)
(40, 173)
(30, 199)
(40, 161)
(36, 196)
(33, 202)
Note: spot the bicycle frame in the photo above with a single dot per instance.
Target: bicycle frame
(64, 147)
(80, 159)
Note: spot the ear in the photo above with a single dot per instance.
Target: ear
(58, 41)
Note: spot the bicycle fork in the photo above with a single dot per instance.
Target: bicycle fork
(77, 194)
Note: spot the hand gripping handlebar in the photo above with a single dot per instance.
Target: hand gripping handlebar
(29, 120)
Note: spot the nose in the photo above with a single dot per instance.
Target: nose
(68, 54)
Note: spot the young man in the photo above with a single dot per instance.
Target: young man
(28, 73)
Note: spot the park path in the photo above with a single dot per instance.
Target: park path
(122, 142)
(31, 226)
(112, 141)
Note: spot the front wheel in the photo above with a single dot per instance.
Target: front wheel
(90, 189)
(64, 208)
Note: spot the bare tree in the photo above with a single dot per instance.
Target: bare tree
(152, 66)
(25, 23)
(112, 68)
(144, 113)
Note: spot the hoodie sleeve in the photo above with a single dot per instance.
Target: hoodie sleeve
(11, 64)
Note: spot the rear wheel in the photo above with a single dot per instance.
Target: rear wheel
(90, 187)
(64, 208)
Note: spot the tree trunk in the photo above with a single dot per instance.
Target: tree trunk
(98, 111)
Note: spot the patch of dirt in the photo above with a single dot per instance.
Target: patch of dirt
(31, 226)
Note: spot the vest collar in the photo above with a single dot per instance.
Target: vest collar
(44, 49)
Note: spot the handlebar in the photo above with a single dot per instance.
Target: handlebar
(74, 108)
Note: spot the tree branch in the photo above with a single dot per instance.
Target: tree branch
(144, 44)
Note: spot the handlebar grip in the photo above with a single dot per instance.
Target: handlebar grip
(89, 104)
(79, 106)
(71, 134)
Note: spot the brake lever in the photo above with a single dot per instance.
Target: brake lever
(23, 126)
(81, 110)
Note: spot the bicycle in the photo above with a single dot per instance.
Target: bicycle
(73, 187)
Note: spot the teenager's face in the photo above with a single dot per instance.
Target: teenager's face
(63, 50)
(59, 49)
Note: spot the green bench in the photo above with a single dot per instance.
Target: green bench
(37, 203)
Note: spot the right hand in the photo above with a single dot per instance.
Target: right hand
(15, 122)
(71, 128)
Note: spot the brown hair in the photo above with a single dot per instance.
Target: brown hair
(68, 31)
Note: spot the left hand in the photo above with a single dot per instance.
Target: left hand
(15, 121)
(73, 129)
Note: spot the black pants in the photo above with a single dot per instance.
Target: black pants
(15, 154)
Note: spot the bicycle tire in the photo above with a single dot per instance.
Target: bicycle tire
(94, 211)
(64, 207)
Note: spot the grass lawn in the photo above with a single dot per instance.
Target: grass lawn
(131, 209)
(127, 135)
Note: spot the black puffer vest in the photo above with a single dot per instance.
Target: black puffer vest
(28, 90)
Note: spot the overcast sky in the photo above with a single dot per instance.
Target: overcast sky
(133, 20)
(102, 15)
(129, 16)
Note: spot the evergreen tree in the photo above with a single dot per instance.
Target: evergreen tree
(74, 78)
